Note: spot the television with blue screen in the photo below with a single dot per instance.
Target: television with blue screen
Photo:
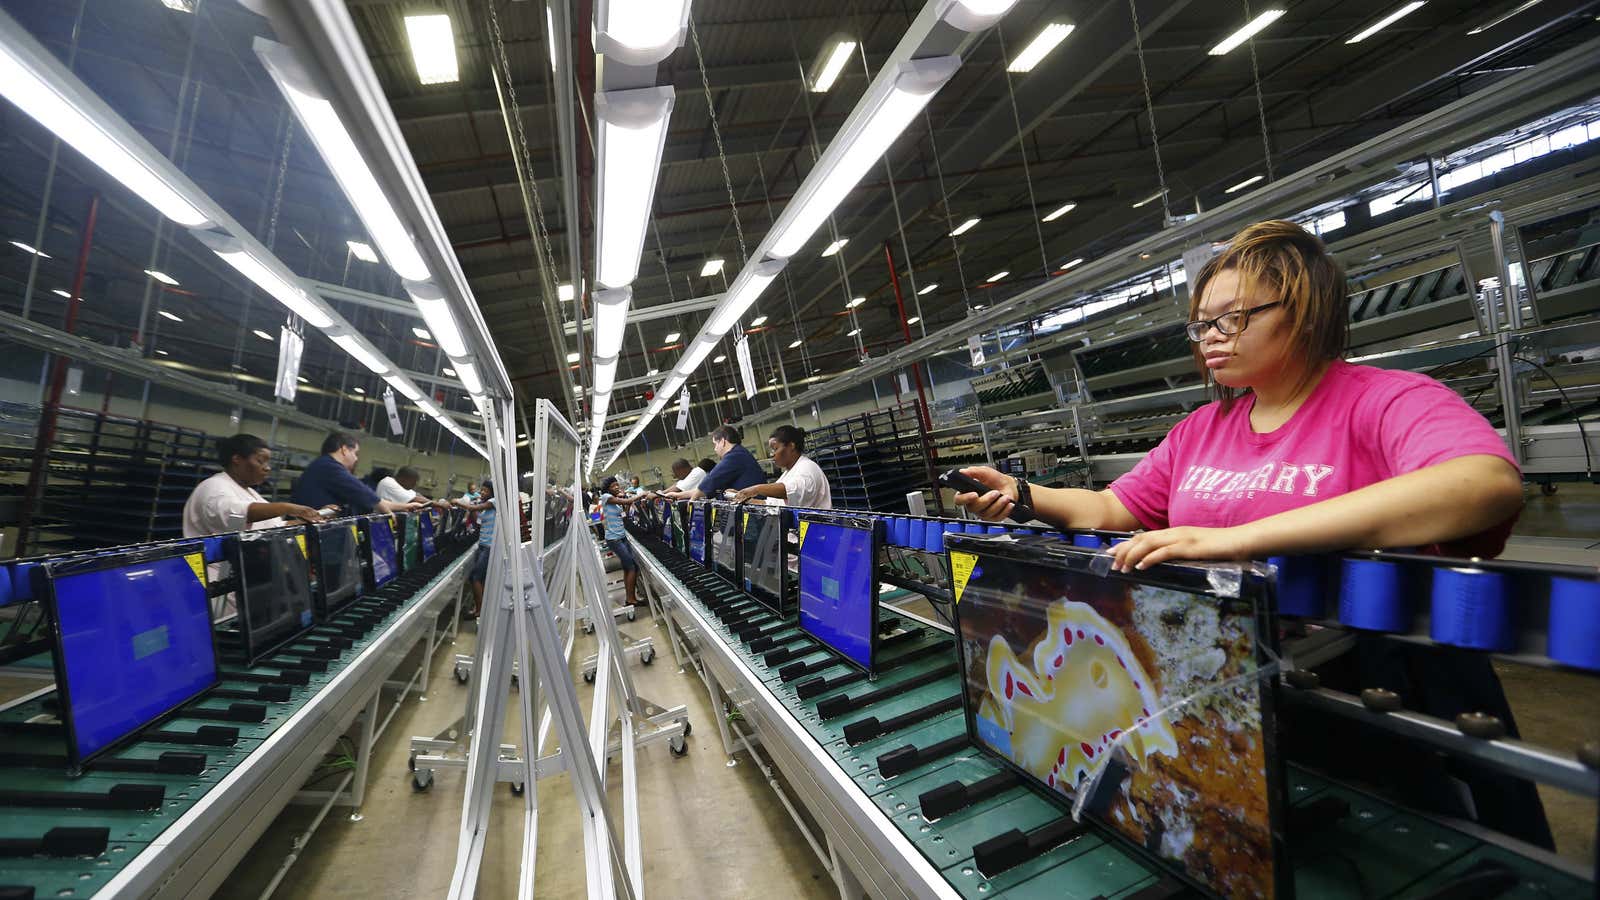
(425, 526)
(133, 640)
(725, 542)
(697, 530)
(383, 563)
(335, 556)
(839, 584)
(764, 565)
(274, 575)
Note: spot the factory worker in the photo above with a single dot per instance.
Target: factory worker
(401, 487)
(736, 468)
(227, 501)
(689, 477)
(327, 480)
(802, 483)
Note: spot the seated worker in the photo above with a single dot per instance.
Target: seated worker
(227, 501)
(482, 507)
(328, 481)
(736, 468)
(612, 501)
(401, 487)
(802, 483)
(1303, 453)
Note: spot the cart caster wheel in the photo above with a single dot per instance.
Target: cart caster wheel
(518, 788)
(678, 746)
(688, 727)
(462, 675)
(632, 614)
(411, 762)
(588, 677)
(421, 780)
(648, 656)
(1549, 488)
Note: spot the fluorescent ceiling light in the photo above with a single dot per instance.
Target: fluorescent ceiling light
(855, 302)
(62, 294)
(928, 290)
(965, 227)
(300, 378)
(996, 276)
(731, 391)
(165, 353)
(643, 31)
(605, 374)
(1075, 261)
(448, 372)
(1520, 8)
(435, 310)
(720, 358)
(233, 252)
(976, 15)
(1385, 22)
(359, 390)
(261, 334)
(758, 321)
(652, 372)
(422, 333)
(362, 251)
(318, 117)
(913, 320)
(712, 267)
(633, 131)
(742, 294)
(671, 338)
(352, 345)
(572, 357)
(794, 344)
(27, 249)
(39, 85)
(1244, 184)
(564, 292)
(891, 102)
(179, 5)
(171, 316)
(1042, 43)
(468, 373)
(977, 307)
(1149, 200)
(404, 387)
(835, 247)
(162, 277)
(853, 332)
(433, 48)
(1250, 30)
(696, 354)
(837, 57)
(1059, 211)
(610, 317)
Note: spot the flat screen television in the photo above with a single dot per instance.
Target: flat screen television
(664, 517)
(382, 555)
(725, 542)
(680, 526)
(839, 584)
(335, 555)
(133, 640)
(1140, 692)
(427, 520)
(410, 537)
(274, 574)
(698, 510)
(764, 562)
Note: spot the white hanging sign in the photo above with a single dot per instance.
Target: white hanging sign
(290, 346)
(394, 412)
(683, 409)
(975, 347)
(74, 381)
(905, 384)
(741, 348)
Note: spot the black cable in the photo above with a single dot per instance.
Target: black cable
(1577, 417)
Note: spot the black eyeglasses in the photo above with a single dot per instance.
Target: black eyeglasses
(1228, 323)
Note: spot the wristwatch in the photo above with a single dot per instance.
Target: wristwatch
(1024, 493)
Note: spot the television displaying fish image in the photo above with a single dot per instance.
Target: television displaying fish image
(766, 576)
(1143, 694)
(839, 584)
(725, 542)
(697, 531)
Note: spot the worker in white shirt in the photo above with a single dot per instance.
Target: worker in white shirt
(401, 487)
(689, 478)
(802, 483)
(227, 501)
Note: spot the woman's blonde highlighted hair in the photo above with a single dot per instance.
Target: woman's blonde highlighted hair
(1280, 261)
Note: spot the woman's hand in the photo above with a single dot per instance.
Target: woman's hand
(994, 505)
(1151, 547)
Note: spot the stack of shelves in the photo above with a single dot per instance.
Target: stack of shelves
(874, 459)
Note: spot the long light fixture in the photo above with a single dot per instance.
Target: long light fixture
(162, 277)
(435, 309)
(928, 290)
(1514, 11)
(719, 358)
(433, 48)
(853, 332)
(173, 316)
(855, 302)
(1244, 184)
(996, 276)
(1251, 29)
(888, 107)
(695, 355)
(406, 388)
(742, 294)
(835, 247)
(1059, 211)
(758, 321)
(362, 251)
(319, 119)
(605, 374)
(827, 72)
(33, 79)
(358, 351)
(62, 294)
(671, 338)
(610, 317)
(422, 334)
(633, 132)
(25, 248)
(232, 251)
(468, 373)
(1149, 200)
(794, 344)
(262, 334)
(712, 267)
(640, 32)
(1046, 40)
(965, 227)
(913, 320)
(1385, 22)
(1072, 263)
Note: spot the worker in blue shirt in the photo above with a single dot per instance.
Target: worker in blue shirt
(736, 468)
(329, 481)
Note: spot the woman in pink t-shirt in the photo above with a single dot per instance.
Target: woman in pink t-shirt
(1301, 452)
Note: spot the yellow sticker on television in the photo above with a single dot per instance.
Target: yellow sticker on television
(961, 566)
(197, 562)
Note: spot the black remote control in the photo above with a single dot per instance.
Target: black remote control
(963, 484)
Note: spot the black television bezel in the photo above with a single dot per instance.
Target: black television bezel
(427, 515)
(731, 510)
(1254, 590)
(252, 653)
(44, 592)
(781, 605)
(369, 571)
(323, 612)
(862, 521)
(705, 554)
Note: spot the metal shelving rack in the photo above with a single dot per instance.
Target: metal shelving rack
(873, 459)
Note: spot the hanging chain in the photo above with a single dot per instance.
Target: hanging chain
(949, 223)
(1150, 107)
(716, 132)
(1022, 147)
(522, 138)
(1261, 105)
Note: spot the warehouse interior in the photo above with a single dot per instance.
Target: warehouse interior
(298, 296)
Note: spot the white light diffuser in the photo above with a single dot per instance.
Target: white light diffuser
(1046, 40)
(358, 351)
(928, 290)
(1149, 200)
(318, 117)
(794, 344)
(996, 276)
(965, 227)
(605, 374)
(1244, 184)
(1385, 22)
(404, 387)
(359, 390)
(162, 277)
(422, 333)
(742, 294)
(671, 337)
(435, 310)
(448, 372)
(564, 292)
(27, 249)
(633, 131)
(572, 357)
(758, 321)
(640, 32)
(853, 332)
(363, 252)
(1059, 211)
(1075, 261)
(695, 355)
(1516, 10)
(468, 373)
(433, 48)
(262, 334)
(835, 247)
(610, 317)
(263, 276)
(882, 114)
(719, 358)
(33, 79)
(976, 15)
(1251, 29)
(62, 294)
(173, 316)
(711, 267)
(913, 320)
(828, 73)
(855, 302)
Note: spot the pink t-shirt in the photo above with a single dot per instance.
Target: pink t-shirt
(1360, 425)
